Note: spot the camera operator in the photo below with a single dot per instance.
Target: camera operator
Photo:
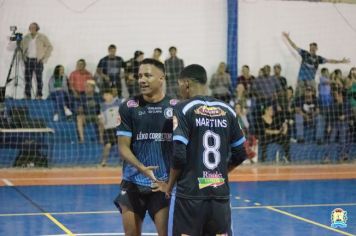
(37, 49)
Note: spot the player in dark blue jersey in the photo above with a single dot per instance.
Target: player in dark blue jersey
(207, 143)
(145, 144)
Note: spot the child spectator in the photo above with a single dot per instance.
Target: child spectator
(109, 115)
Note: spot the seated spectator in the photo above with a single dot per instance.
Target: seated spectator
(88, 110)
(78, 79)
(131, 73)
(308, 116)
(338, 125)
(220, 84)
(109, 114)
(273, 132)
(58, 92)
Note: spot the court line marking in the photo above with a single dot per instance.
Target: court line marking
(296, 206)
(59, 224)
(48, 215)
(97, 234)
(117, 212)
(308, 221)
(7, 182)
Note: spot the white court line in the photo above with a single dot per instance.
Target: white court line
(7, 182)
(97, 234)
(294, 174)
(67, 178)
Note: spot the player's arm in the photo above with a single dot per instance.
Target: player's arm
(342, 61)
(291, 43)
(127, 155)
(238, 155)
(177, 161)
(238, 152)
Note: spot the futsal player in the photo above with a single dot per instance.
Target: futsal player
(145, 144)
(207, 143)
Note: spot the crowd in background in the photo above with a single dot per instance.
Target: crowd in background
(266, 105)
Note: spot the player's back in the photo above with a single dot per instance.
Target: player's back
(208, 127)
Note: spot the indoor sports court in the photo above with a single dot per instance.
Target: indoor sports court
(264, 200)
(286, 69)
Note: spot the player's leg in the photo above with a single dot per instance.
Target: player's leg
(132, 206)
(219, 217)
(186, 217)
(161, 221)
(131, 221)
(157, 206)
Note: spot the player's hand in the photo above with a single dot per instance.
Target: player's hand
(285, 34)
(345, 60)
(162, 187)
(148, 171)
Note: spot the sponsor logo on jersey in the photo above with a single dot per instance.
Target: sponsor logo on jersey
(132, 103)
(168, 113)
(211, 180)
(173, 102)
(209, 111)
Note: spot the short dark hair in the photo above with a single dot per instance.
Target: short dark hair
(37, 26)
(246, 66)
(151, 61)
(82, 60)
(172, 48)
(137, 54)
(290, 88)
(194, 72)
(313, 44)
(158, 49)
(324, 69)
(112, 46)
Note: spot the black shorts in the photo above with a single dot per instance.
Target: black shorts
(110, 136)
(140, 199)
(199, 217)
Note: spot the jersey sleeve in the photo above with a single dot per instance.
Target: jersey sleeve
(180, 126)
(124, 127)
(237, 137)
(322, 60)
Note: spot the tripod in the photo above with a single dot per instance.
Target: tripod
(15, 63)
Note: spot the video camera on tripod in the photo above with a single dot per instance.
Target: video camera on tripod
(15, 36)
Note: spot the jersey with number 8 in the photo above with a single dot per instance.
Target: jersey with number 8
(209, 128)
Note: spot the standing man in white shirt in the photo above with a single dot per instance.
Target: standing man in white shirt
(37, 49)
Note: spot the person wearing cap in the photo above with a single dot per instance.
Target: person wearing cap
(309, 65)
(131, 73)
(207, 128)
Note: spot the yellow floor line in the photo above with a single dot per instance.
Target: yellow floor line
(59, 224)
(308, 221)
